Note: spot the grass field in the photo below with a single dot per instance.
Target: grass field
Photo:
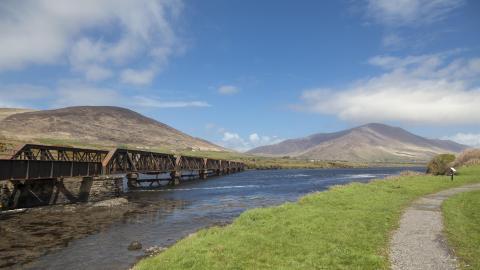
(347, 227)
(258, 162)
(462, 226)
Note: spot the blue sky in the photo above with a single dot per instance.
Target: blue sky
(248, 73)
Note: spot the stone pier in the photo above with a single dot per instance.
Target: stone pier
(30, 193)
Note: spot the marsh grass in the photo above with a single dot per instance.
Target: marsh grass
(462, 226)
(470, 157)
(347, 227)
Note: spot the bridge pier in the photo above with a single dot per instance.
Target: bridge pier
(5, 195)
(175, 178)
(132, 180)
(85, 187)
(39, 192)
(203, 174)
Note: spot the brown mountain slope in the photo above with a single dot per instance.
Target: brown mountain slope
(6, 112)
(98, 125)
(368, 143)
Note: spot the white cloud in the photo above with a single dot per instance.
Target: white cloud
(138, 77)
(470, 139)
(395, 15)
(228, 90)
(50, 32)
(392, 41)
(155, 103)
(424, 89)
(97, 73)
(254, 137)
(76, 93)
(410, 12)
(79, 94)
(235, 141)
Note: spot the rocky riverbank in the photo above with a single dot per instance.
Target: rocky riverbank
(33, 232)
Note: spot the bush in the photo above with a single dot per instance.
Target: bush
(439, 164)
(468, 158)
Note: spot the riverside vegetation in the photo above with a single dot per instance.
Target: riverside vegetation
(347, 227)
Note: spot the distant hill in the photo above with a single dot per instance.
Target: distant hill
(97, 125)
(5, 112)
(367, 143)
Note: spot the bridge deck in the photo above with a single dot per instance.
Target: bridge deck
(45, 162)
(35, 174)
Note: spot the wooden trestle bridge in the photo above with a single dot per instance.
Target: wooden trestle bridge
(40, 162)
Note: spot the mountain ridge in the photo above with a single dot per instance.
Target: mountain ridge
(99, 125)
(374, 142)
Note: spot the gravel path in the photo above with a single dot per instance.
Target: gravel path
(419, 242)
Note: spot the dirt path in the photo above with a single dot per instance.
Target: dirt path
(419, 242)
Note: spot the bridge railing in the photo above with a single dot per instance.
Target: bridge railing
(214, 164)
(58, 153)
(40, 161)
(125, 161)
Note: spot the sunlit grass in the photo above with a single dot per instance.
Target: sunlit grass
(462, 226)
(347, 227)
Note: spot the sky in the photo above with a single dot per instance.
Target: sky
(246, 73)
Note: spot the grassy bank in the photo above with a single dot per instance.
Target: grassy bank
(259, 162)
(462, 226)
(346, 227)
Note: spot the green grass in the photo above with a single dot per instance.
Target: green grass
(347, 227)
(462, 226)
(259, 162)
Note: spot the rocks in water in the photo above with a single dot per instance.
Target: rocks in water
(151, 251)
(135, 245)
(111, 202)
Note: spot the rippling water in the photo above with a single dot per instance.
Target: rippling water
(194, 205)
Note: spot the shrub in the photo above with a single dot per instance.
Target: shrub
(468, 157)
(472, 162)
(439, 164)
(410, 173)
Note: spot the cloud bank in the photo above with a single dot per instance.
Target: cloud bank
(471, 139)
(433, 89)
(127, 42)
(75, 93)
(95, 38)
(399, 15)
(410, 12)
(233, 140)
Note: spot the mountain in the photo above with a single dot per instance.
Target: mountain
(367, 143)
(5, 112)
(102, 125)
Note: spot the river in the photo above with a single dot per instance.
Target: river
(190, 206)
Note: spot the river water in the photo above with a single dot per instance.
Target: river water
(193, 205)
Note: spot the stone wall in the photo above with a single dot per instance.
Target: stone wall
(20, 194)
